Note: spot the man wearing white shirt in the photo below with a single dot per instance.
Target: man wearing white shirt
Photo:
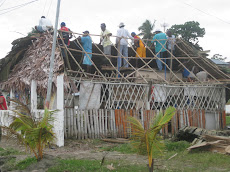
(44, 24)
(122, 42)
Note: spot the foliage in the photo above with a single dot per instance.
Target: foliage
(227, 120)
(125, 148)
(219, 57)
(147, 30)
(5, 152)
(32, 132)
(146, 140)
(199, 161)
(73, 165)
(190, 31)
(176, 146)
(25, 163)
(33, 31)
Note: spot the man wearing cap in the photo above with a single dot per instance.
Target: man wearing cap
(64, 32)
(87, 46)
(122, 42)
(3, 105)
(105, 39)
(160, 49)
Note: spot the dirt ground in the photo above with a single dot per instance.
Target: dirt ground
(87, 149)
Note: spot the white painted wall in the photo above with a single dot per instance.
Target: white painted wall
(227, 109)
(59, 120)
(211, 121)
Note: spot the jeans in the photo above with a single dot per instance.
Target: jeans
(124, 51)
(160, 55)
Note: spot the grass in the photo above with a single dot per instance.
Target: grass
(123, 148)
(183, 161)
(128, 149)
(25, 163)
(73, 165)
(227, 120)
(176, 146)
(6, 152)
(202, 161)
(11, 163)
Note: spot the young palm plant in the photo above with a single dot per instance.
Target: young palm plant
(148, 141)
(34, 133)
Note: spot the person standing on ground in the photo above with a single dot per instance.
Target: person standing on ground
(140, 47)
(105, 39)
(87, 46)
(160, 48)
(44, 25)
(122, 43)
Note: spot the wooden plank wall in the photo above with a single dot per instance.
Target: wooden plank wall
(103, 123)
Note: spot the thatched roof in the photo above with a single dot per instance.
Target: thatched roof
(34, 55)
(29, 60)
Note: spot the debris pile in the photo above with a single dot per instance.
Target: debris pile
(206, 140)
(191, 133)
(216, 144)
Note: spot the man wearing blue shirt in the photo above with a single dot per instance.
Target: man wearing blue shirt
(87, 46)
(160, 49)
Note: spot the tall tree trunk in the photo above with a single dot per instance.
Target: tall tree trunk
(151, 168)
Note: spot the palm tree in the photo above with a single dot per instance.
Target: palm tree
(146, 30)
(147, 141)
(30, 131)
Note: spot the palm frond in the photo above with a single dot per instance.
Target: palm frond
(33, 133)
(146, 140)
(21, 107)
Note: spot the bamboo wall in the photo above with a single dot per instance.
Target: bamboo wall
(102, 123)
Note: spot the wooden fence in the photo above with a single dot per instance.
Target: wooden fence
(91, 124)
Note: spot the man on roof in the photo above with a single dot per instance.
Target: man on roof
(44, 25)
(87, 48)
(122, 42)
(171, 40)
(65, 34)
(140, 47)
(105, 39)
(160, 40)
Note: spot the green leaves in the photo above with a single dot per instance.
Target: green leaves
(190, 31)
(147, 30)
(32, 132)
(146, 140)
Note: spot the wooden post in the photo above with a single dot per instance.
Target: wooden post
(33, 99)
(59, 121)
(11, 97)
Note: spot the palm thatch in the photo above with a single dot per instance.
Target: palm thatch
(34, 64)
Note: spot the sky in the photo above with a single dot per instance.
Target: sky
(213, 15)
